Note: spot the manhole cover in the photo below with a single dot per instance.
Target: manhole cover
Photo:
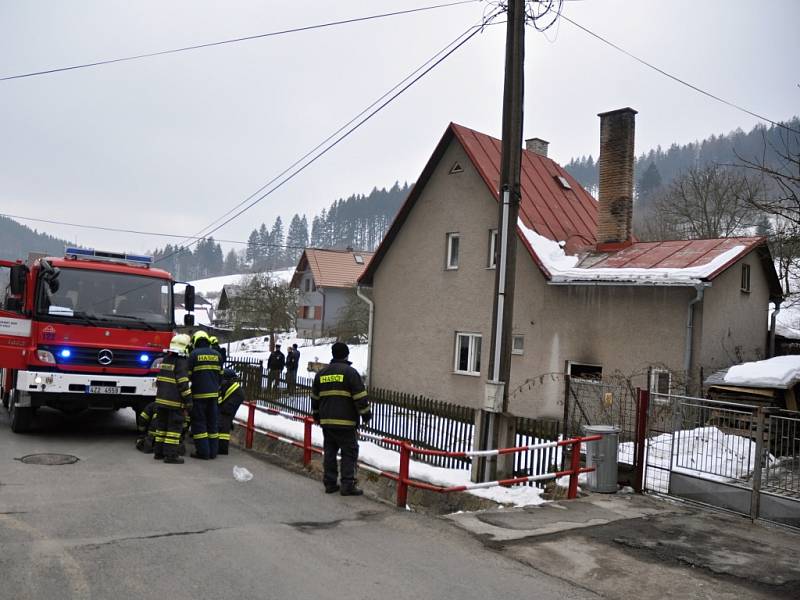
(49, 459)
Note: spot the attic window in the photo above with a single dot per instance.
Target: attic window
(359, 259)
(563, 181)
(456, 168)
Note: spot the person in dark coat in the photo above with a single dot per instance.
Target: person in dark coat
(205, 369)
(275, 364)
(215, 345)
(338, 402)
(173, 400)
(292, 363)
(231, 396)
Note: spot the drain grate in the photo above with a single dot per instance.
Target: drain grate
(49, 459)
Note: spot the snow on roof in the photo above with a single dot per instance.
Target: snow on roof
(215, 284)
(779, 372)
(564, 268)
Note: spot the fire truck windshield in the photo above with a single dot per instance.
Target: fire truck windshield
(102, 297)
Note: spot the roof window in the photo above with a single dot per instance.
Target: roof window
(456, 168)
(563, 181)
(359, 259)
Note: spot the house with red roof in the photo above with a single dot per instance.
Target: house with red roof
(590, 299)
(326, 280)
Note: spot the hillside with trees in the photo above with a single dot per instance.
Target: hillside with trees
(17, 240)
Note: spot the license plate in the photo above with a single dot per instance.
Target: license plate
(103, 389)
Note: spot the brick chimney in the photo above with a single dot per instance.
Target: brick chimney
(616, 179)
(537, 145)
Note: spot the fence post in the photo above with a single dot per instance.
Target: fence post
(642, 410)
(755, 494)
(251, 424)
(307, 423)
(575, 465)
(402, 482)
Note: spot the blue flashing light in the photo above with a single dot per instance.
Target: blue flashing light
(65, 353)
(144, 358)
(79, 251)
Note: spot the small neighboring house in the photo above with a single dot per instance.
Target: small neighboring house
(590, 300)
(326, 280)
(228, 295)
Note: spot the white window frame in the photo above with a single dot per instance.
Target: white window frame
(448, 265)
(475, 339)
(492, 262)
(514, 350)
(654, 393)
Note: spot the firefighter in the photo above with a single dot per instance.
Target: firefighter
(231, 396)
(215, 345)
(338, 400)
(205, 369)
(173, 400)
(146, 426)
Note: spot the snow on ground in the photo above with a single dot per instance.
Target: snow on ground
(258, 347)
(705, 452)
(389, 460)
(214, 285)
(780, 371)
(562, 266)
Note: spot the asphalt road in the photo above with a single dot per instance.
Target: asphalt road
(117, 524)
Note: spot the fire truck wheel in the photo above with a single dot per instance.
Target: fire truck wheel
(20, 417)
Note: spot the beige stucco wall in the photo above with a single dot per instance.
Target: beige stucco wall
(419, 307)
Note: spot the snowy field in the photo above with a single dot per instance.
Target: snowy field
(258, 348)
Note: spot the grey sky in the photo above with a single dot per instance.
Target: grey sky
(170, 143)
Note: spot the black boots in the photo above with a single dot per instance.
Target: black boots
(350, 488)
(173, 460)
(331, 489)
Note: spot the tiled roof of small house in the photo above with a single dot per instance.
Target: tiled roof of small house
(332, 268)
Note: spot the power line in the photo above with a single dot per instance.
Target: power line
(466, 37)
(415, 76)
(234, 40)
(678, 79)
(332, 135)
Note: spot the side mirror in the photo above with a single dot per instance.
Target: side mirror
(188, 298)
(18, 279)
(188, 320)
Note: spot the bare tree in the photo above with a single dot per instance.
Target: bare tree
(353, 320)
(265, 304)
(705, 202)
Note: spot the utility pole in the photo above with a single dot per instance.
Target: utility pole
(495, 428)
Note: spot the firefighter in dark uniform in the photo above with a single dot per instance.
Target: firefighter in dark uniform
(338, 401)
(231, 396)
(215, 345)
(205, 369)
(173, 399)
(146, 426)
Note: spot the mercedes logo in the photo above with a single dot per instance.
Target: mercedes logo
(105, 356)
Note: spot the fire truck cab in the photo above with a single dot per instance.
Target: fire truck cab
(83, 331)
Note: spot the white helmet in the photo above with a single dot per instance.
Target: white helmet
(180, 344)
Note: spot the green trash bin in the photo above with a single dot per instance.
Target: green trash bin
(602, 454)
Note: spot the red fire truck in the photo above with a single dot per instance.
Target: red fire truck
(86, 331)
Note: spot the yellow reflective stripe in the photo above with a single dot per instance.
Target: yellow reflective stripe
(225, 436)
(167, 366)
(331, 378)
(314, 397)
(183, 380)
(216, 367)
(203, 396)
(172, 442)
(170, 403)
(336, 422)
(213, 436)
(200, 436)
(165, 379)
(231, 389)
(335, 393)
(173, 434)
(186, 393)
(144, 416)
(360, 395)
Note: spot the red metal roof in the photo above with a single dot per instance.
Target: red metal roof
(560, 214)
(332, 268)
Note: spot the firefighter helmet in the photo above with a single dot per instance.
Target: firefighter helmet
(180, 343)
(212, 339)
(199, 335)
